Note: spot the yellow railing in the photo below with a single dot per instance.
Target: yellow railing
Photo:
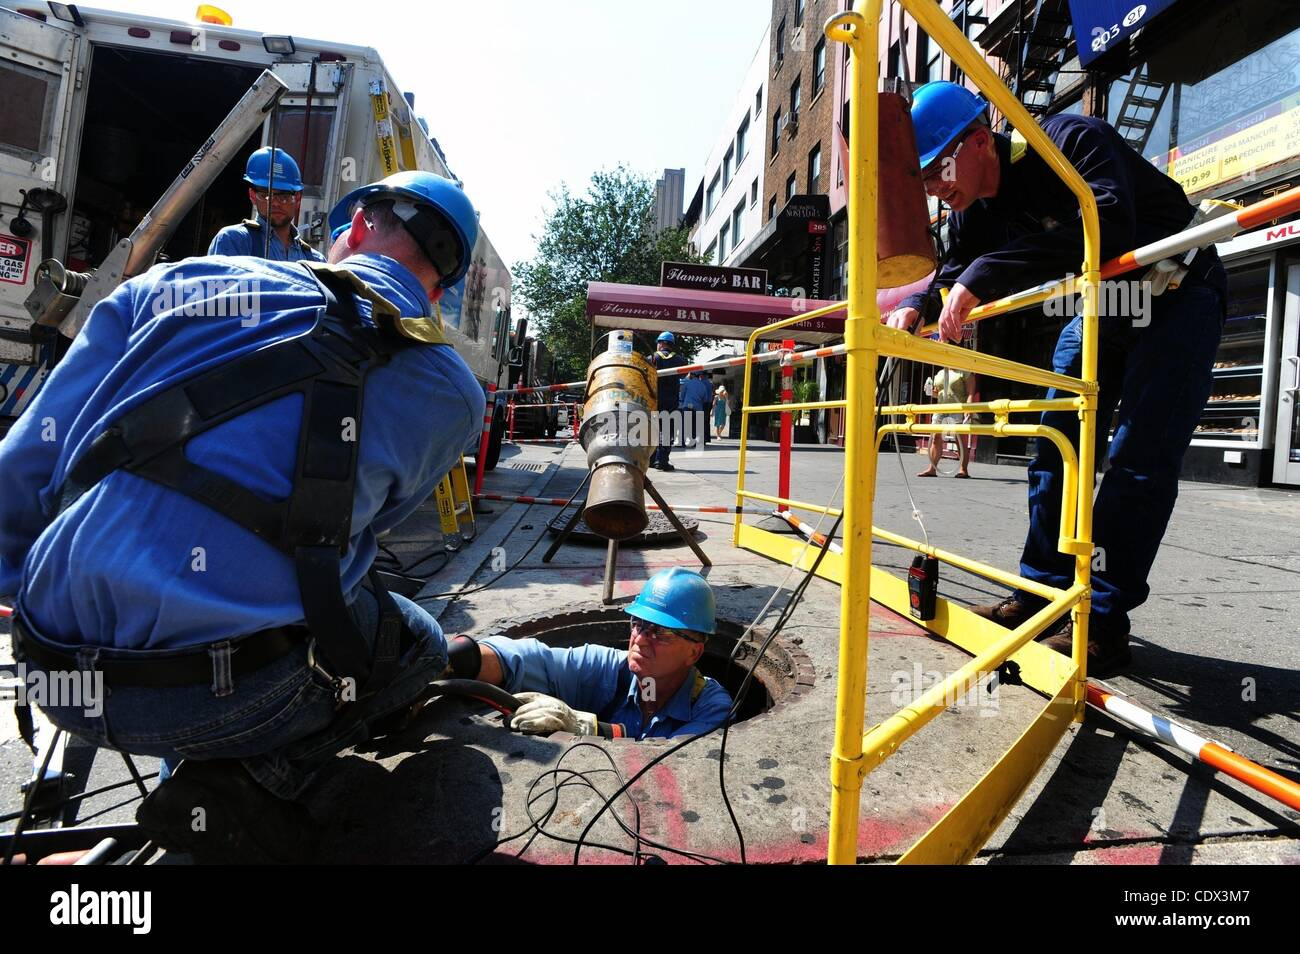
(857, 750)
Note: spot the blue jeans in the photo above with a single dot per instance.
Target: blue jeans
(280, 721)
(1160, 377)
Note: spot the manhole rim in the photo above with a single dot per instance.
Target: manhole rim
(665, 535)
(804, 672)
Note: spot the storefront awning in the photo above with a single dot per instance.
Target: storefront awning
(711, 314)
(1101, 25)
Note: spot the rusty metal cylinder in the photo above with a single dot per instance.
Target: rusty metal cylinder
(618, 434)
(904, 249)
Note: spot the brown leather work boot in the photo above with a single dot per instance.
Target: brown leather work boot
(1107, 655)
(1010, 613)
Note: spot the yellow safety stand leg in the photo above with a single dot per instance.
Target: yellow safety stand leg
(446, 507)
(462, 501)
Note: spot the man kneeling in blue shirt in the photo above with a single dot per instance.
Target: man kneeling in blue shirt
(189, 511)
(651, 690)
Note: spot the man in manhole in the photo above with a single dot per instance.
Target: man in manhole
(652, 689)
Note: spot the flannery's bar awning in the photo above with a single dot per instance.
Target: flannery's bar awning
(708, 313)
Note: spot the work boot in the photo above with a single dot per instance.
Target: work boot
(217, 813)
(1011, 613)
(1107, 655)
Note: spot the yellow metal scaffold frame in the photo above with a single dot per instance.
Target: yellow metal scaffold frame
(957, 836)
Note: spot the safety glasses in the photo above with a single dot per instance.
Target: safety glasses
(660, 634)
(940, 165)
(264, 195)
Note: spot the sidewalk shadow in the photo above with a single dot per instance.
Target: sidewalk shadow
(439, 805)
(1229, 695)
(1068, 814)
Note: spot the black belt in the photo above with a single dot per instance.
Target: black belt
(122, 667)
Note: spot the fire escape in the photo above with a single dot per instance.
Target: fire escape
(1044, 38)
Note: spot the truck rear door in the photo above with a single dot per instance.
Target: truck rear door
(38, 71)
(37, 80)
(312, 118)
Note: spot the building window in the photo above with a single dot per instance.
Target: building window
(741, 135)
(776, 131)
(726, 167)
(780, 42)
(798, 12)
(796, 99)
(975, 19)
(737, 230)
(722, 243)
(929, 60)
(790, 186)
(711, 197)
(892, 63)
(819, 66)
(815, 169)
(771, 208)
(753, 193)
(712, 253)
(758, 103)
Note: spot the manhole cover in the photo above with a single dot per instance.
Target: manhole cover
(658, 530)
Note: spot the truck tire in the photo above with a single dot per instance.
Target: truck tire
(497, 432)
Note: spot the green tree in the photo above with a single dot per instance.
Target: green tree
(607, 235)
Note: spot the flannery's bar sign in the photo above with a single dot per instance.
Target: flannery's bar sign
(750, 281)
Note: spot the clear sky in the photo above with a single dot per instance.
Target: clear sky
(524, 96)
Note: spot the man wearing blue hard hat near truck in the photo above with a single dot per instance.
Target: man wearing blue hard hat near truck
(239, 627)
(1014, 224)
(652, 689)
(275, 190)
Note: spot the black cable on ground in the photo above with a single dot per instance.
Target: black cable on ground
(30, 799)
(515, 565)
(390, 563)
(574, 777)
(82, 796)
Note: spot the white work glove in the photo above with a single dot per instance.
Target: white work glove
(541, 714)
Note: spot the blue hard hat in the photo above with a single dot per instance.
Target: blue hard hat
(258, 172)
(678, 599)
(666, 336)
(447, 236)
(940, 112)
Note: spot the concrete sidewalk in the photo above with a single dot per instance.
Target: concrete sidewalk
(1224, 596)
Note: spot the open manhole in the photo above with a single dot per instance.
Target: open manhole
(658, 530)
(784, 674)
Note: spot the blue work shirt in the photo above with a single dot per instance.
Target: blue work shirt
(132, 564)
(596, 679)
(1031, 231)
(242, 240)
(696, 394)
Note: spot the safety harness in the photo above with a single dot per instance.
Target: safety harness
(327, 366)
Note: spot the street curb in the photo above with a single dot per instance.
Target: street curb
(480, 550)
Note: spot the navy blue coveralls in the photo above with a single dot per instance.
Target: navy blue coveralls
(1157, 368)
(669, 386)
